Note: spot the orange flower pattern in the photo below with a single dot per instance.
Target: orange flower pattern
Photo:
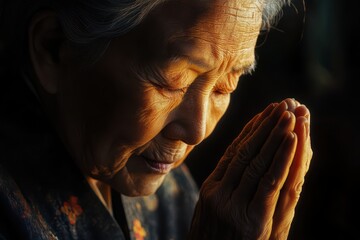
(139, 231)
(72, 209)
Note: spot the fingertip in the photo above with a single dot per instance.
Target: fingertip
(270, 108)
(284, 119)
(297, 103)
(287, 119)
(291, 104)
(302, 110)
(283, 105)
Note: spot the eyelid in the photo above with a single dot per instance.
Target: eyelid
(173, 94)
(228, 85)
(164, 83)
(155, 76)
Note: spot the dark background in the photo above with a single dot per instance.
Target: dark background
(311, 55)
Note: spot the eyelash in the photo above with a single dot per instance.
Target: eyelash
(224, 91)
(177, 93)
(170, 92)
(219, 92)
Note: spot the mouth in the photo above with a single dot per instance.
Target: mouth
(158, 166)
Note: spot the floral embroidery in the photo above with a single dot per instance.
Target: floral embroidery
(72, 209)
(139, 231)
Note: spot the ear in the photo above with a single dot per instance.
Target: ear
(46, 41)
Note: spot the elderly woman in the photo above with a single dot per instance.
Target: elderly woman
(101, 102)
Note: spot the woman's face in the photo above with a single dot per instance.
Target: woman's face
(157, 92)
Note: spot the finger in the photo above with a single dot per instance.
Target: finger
(292, 104)
(221, 167)
(263, 204)
(262, 117)
(297, 103)
(250, 148)
(230, 151)
(292, 188)
(302, 110)
(260, 164)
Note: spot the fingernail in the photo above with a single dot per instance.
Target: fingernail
(285, 104)
(286, 115)
(285, 118)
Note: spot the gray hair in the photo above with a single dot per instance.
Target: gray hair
(110, 18)
(272, 12)
(103, 19)
(91, 24)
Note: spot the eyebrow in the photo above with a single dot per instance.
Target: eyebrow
(192, 61)
(246, 68)
(198, 62)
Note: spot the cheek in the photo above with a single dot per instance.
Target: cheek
(218, 106)
(152, 113)
(144, 118)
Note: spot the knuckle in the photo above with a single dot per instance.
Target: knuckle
(230, 151)
(242, 156)
(295, 191)
(257, 166)
(270, 183)
(240, 160)
(244, 150)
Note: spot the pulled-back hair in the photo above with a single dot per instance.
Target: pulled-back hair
(90, 24)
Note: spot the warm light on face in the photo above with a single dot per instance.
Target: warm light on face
(157, 92)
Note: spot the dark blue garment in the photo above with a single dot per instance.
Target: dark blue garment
(43, 194)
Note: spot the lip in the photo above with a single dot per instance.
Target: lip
(158, 166)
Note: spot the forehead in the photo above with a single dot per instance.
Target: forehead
(217, 27)
(228, 28)
(229, 22)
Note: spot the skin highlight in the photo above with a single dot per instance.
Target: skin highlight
(141, 101)
(160, 90)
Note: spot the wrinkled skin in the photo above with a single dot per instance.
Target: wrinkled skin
(156, 93)
(253, 191)
(159, 91)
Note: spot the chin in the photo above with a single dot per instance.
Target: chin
(136, 185)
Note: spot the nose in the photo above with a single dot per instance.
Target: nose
(188, 121)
